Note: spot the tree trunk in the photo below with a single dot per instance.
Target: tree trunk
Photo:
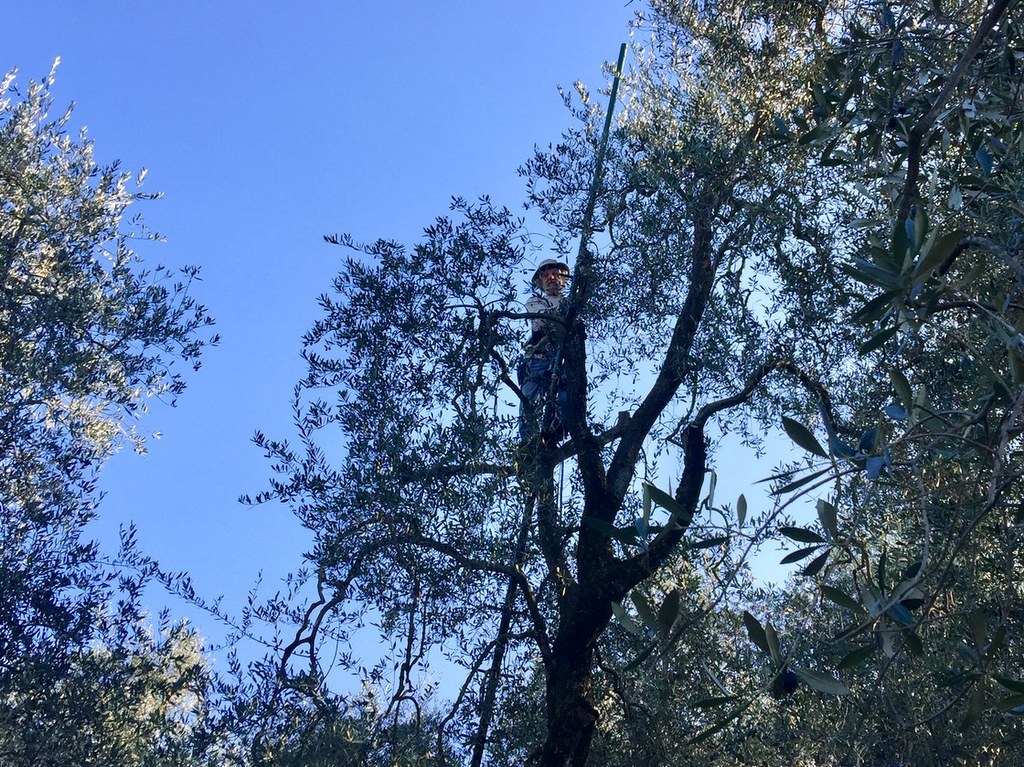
(572, 717)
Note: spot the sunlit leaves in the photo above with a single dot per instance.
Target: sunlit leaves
(89, 337)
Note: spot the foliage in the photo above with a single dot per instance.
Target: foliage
(87, 336)
(802, 204)
(142, 702)
(923, 549)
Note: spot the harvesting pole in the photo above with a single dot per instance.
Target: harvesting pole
(583, 257)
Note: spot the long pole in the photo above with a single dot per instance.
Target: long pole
(602, 148)
(493, 676)
(584, 261)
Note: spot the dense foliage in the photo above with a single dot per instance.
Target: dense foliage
(808, 216)
(87, 336)
(803, 215)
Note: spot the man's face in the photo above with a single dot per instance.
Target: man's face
(553, 280)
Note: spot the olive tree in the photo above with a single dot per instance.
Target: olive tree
(920, 537)
(87, 337)
(702, 302)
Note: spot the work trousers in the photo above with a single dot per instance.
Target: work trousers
(535, 380)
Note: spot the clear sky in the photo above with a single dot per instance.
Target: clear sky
(267, 125)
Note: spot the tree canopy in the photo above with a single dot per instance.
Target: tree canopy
(87, 337)
(799, 217)
(806, 215)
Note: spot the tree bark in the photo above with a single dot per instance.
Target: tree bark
(572, 717)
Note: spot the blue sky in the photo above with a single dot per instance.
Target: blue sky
(267, 125)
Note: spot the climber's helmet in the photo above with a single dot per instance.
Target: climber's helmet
(551, 276)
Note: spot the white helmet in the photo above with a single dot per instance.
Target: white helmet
(546, 264)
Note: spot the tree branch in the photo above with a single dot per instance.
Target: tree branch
(633, 570)
(915, 140)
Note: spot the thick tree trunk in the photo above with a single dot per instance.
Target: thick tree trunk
(572, 716)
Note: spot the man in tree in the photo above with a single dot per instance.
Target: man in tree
(541, 355)
(732, 207)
